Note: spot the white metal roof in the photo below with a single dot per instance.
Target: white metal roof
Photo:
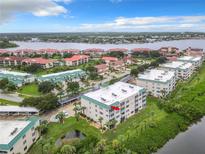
(177, 64)
(157, 75)
(61, 73)
(10, 129)
(14, 73)
(189, 58)
(113, 93)
(17, 109)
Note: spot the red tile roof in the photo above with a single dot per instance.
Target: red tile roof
(141, 50)
(94, 50)
(38, 60)
(76, 58)
(70, 50)
(12, 58)
(106, 58)
(117, 49)
(101, 66)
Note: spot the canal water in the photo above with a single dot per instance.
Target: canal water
(191, 141)
(181, 44)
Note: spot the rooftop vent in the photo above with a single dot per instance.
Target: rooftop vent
(114, 94)
(14, 131)
(103, 99)
(123, 90)
(131, 86)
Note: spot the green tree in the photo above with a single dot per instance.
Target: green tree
(60, 116)
(73, 87)
(68, 149)
(45, 87)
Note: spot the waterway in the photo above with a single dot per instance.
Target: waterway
(181, 44)
(191, 141)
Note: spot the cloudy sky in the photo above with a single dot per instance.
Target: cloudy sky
(101, 15)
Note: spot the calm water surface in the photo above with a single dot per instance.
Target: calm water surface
(190, 142)
(182, 44)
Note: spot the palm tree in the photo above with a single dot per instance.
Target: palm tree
(83, 109)
(60, 116)
(68, 149)
(100, 120)
(100, 147)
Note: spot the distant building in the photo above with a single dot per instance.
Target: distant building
(108, 59)
(76, 60)
(182, 70)
(157, 82)
(11, 61)
(115, 102)
(102, 69)
(17, 136)
(196, 61)
(70, 75)
(169, 51)
(94, 52)
(42, 62)
(16, 77)
(195, 52)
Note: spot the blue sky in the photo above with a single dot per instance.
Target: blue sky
(101, 15)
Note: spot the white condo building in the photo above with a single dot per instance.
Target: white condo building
(196, 61)
(183, 70)
(157, 82)
(17, 136)
(118, 101)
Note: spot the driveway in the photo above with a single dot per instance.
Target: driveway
(51, 114)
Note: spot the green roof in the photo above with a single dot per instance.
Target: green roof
(33, 121)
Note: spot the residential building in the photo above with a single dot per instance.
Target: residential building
(11, 61)
(94, 52)
(115, 102)
(17, 136)
(117, 65)
(102, 69)
(183, 70)
(108, 59)
(17, 78)
(157, 82)
(196, 61)
(17, 110)
(70, 75)
(76, 60)
(195, 52)
(169, 51)
(42, 62)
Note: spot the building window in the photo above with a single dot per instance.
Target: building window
(24, 142)
(33, 133)
(25, 148)
(24, 136)
(10, 149)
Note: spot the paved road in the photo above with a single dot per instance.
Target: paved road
(11, 97)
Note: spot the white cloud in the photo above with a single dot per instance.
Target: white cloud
(162, 23)
(64, 1)
(9, 8)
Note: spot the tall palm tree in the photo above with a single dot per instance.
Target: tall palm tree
(60, 116)
(100, 120)
(100, 147)
(83, 109)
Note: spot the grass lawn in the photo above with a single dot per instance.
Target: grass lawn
(56, 130)
(7, 102)
(30, 89)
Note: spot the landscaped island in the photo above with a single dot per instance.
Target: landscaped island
(145, 132)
